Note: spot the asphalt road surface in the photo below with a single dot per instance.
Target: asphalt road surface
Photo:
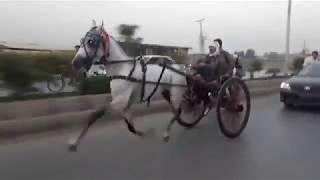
(277, 144)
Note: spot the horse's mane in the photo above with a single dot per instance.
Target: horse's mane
(117, 51)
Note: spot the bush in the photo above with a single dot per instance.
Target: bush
(16, 71)
(20, 70)
(53, 63)
(297, 64)
(95, 85)
(255, 65)
(273, 71)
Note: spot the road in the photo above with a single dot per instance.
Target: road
(277, 144)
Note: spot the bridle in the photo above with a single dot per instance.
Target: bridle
(93, 42)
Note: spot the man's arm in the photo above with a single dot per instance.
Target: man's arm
(230, 60)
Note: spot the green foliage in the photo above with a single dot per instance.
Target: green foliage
(127, 32)
(95, 85)
(297, 64)
(20, 70)
(250, 53)
(239, 53)
(53, 63)
(16, 70)
(255, 65)
(273, 71)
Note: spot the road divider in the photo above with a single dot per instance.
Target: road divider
(34, 116)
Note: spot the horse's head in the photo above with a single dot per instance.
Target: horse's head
(94, 48)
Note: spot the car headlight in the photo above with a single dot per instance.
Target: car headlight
(285, 85)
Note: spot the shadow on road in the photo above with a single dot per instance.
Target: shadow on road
(307, 109)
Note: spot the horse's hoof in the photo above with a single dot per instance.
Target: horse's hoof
(73, 146)
(166, 137)
(140, 134)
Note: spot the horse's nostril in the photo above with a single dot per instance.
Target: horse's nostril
(76, 64)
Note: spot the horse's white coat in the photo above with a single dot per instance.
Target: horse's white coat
(126, 93)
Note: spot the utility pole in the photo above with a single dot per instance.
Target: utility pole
(201, 35)
(304, 50)
(285, 68)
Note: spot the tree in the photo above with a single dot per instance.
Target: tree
(250, 53)
(273, 56)
(297, 64)
(127, 33)
(255, 65)
(239, 53)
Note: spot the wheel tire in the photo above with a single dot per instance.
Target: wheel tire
(288, 105)
(224, 130)
(189, 124)
(56, 78)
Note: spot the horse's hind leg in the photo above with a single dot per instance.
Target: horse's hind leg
(167, 96)
(92, 119)
(166, 135)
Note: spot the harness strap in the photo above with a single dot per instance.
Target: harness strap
(122, 61)
(144, 70)
(157, 85)
(189, 89)
(147, 82)
(132, 69)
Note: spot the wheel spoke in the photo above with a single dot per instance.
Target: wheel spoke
(191, 113)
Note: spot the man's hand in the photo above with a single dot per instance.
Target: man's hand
(224, 77)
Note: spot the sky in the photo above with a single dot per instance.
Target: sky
(260, 25)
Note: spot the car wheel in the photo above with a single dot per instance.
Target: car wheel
(288, 105)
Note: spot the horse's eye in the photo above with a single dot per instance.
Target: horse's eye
(90, 42)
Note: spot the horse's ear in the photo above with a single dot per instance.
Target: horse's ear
(94, 24)
(102, 23)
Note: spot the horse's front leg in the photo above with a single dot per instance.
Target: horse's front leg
(94, 116)
(122, 105)
(128, 119)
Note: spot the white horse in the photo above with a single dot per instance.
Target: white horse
(96, 46)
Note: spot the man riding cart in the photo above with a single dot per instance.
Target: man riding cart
(210, 72)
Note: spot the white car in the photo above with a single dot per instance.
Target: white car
(96, 69)
(156, 59)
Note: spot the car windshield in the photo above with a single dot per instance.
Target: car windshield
(312, 70)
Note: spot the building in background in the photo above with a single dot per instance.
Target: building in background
(135, 49)
(17, 49)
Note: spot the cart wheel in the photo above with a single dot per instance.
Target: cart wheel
(233, 107)
(191, 113)
(56, 84)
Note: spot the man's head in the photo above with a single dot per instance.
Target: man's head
(315, 54)
(218, 41)
(212, 49)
